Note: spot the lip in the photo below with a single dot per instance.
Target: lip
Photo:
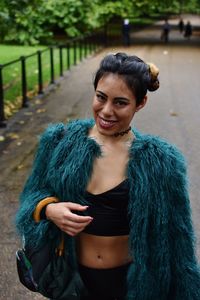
(106, 124)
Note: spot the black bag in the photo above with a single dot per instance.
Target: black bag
(48, 272)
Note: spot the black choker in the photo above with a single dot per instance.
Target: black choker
(122, 132)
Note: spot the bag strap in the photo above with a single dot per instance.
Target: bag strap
(37, 218)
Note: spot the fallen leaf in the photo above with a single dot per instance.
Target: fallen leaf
(8, 111)
(41, 110)
(19, 167)
(13, 135)
(173, 113)
(5, 152)
(21, 122)
(38, 101)
(28, 113)
(2, 138)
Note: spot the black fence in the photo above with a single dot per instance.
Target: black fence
(81, 48)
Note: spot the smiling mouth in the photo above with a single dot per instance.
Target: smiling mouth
(106, 123)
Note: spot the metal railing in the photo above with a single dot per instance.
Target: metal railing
(80, 47)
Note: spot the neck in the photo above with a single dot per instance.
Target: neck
(121, 133)
(122, 136)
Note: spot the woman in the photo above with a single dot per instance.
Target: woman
(123, 197)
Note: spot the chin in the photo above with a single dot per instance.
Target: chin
(105, 131)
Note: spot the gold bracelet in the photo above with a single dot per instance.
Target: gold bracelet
(40, 205)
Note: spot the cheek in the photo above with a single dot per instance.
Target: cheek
(95, 106)
(129, 113)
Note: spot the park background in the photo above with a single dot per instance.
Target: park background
(29, 26)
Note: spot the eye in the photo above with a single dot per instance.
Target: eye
(121, 103)
(100, 97)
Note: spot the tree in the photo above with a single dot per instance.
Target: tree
(33, 21)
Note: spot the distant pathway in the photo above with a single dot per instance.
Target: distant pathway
(151, 35)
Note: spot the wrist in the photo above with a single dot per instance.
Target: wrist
(42, 206)
(48, 210)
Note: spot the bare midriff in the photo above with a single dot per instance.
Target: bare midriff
(102, 252)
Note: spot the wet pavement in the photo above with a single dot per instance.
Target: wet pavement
(172, 112)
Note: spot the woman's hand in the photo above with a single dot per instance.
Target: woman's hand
(62, 214)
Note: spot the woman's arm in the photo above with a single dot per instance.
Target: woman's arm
(37, 187)
(184, 266)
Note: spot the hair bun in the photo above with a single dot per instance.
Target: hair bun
(154, 82)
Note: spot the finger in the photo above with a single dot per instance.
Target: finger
(72, 231)
(76, 206)
(69, 232)
(78, 219)
(76, 225)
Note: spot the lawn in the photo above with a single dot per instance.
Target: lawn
(12, 73)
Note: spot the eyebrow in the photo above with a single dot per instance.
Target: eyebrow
(116, 98)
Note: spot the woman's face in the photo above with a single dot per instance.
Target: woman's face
(114, 105)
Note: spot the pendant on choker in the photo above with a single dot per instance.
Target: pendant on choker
(121, 133)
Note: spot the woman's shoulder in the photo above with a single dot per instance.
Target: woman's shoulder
(53, 130)
(159, 146)
(79, 124)
(57, 130)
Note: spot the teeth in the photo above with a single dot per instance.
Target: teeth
(106, 121)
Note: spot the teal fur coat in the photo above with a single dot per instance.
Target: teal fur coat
(161, 234)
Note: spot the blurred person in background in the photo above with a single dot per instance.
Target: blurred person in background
(181, 25)
(165, 31)
(126, 32)
(188, 30)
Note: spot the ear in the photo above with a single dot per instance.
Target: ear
(142, 104)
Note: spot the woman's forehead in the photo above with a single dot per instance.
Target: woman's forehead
(115, 85)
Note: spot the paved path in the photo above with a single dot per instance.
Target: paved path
(172, 112)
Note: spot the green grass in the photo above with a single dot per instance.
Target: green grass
(9, 53)
(12, 73)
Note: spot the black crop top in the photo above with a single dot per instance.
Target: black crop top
(109, 210)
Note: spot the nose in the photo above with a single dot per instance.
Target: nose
(107, 109)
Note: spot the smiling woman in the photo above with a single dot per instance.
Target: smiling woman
(119, 196)
(114, 105)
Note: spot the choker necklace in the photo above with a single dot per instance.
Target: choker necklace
(122, 132)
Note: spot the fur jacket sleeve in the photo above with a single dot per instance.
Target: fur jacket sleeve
(161, 237)
(37, 188)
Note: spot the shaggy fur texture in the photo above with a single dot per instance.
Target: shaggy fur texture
(161, 234)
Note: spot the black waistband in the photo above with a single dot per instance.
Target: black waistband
(105, 283)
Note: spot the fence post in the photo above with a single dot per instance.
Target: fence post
(74, 44)
(80, 49)
(52, 65)
(24, 82)
(90, 45)
(61, 60)
(94, 43)
(2, 116)
(40, 82)
(85, 46)
(68, 56)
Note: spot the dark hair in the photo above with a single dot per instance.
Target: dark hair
(138, 75)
